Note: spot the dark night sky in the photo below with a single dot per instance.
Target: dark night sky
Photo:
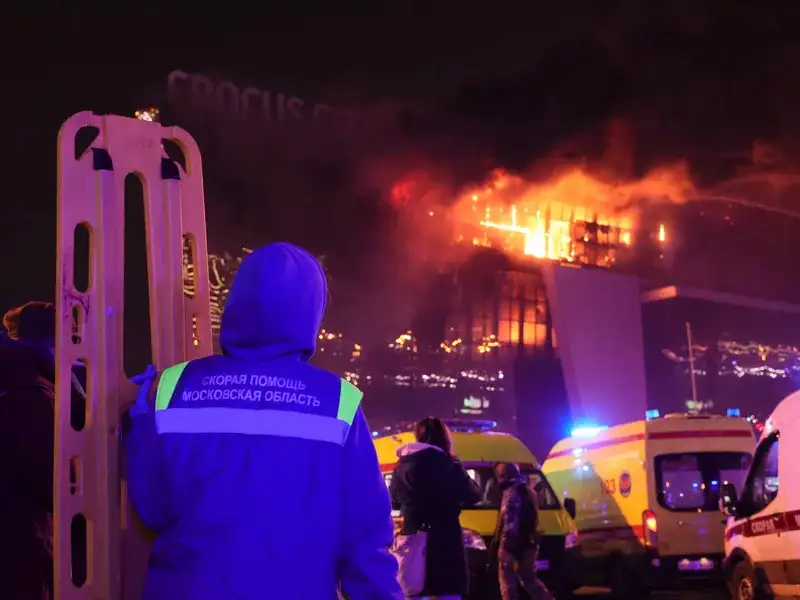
(696, 79)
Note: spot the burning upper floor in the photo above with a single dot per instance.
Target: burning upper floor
(573, 217)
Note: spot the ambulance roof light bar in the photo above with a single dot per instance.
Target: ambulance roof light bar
(587, 431)
(649, 415)
(734, 412)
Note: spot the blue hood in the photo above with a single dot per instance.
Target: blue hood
(275, 305)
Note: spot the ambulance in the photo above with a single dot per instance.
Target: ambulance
(647, 497)
(479, 447)
(762, 537)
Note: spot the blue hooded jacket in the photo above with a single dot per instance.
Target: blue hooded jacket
(256, 516)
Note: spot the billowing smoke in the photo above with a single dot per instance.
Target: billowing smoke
(385, 197)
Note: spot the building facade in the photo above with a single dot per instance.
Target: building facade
(541, 326)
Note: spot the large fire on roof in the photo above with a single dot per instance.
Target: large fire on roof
(559, 218)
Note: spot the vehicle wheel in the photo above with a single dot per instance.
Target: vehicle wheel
(627, 583)
(745, 583)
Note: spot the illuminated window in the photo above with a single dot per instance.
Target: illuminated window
(521, 317)
(508, 332)
(509, 310)
(534, 334)
(482, 322)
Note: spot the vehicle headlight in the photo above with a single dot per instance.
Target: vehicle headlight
(571, 540)
(473, 540)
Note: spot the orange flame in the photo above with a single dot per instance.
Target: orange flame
(575, 217)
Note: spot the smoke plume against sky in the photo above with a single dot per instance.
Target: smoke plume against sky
(616, 93)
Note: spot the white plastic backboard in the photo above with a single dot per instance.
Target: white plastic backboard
(91, 194)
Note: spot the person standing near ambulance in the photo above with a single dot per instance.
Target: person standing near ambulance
(208, 464)
(515, 540)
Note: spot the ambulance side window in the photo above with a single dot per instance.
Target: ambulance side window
(761, 487)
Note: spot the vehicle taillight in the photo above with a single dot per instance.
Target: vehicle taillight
(650, 527)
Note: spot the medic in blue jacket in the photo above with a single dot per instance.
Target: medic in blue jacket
(255, 469)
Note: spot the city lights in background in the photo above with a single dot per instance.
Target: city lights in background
(452, 347)
(736, 358)
(334, 343)
(405, 342)
(747, 359)
(488, 343)
(151, 114)
(221, 271)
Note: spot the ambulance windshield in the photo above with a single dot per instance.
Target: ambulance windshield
(692, 481)
(484, 477)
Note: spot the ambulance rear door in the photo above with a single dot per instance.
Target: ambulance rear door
(689, 467)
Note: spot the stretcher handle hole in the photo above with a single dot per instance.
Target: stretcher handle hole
(175, 153)
(137, 347)
(82, 257)
(79, 401)
(79, 550)
(84, 138)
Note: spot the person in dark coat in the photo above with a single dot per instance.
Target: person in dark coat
(516, 538)
(27, 419)
(26, 475)
(430, 487)
(33, 325)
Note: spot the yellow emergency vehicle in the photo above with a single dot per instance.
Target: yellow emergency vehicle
(647, 497)
(480, 448)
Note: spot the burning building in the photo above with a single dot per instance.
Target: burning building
(539, 313)
(573, 217)
(535, 316)
(547, 310)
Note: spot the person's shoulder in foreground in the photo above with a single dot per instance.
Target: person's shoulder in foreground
(270, 326)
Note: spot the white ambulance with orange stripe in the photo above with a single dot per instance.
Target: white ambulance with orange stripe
(647, 496)
(762, 537)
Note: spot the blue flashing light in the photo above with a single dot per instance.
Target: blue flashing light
(734, 412)
(651, 414)
(588, 431)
